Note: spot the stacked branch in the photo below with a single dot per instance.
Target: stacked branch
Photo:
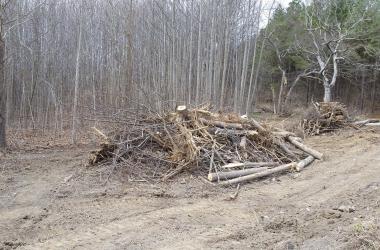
(325, 117)
(227, 147)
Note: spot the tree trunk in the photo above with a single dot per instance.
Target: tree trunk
(3, 95)
(284, 83)
(130, 85)
(225, 63)
(327, 96)
(190, 55)
(199, 68)
(76, 87)
(249, 98)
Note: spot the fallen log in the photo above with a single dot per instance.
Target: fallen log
(285, 148)
(304, 148)
(233, 174)
(259, 175)
(365, 122)
(304, 163)
(373, 124)
(257, 125)
(250, 164)
(283, 133)
(233, 132)
(221, 124)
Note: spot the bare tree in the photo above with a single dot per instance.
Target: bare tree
(60, 72)
(76, 83)
(328, 35)
(3, 83)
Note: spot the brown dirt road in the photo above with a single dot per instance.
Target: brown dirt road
(49, 200)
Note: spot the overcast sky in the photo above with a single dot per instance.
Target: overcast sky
(267, 4)
(284, 3)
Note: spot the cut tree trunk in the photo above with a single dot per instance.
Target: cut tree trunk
(365, 122)
(304, 148)
(220, 124)
(231, 132)
(251, 164)
(233, 174)
(304, 163)
(284, 147)
(255, 176)
(373, 124)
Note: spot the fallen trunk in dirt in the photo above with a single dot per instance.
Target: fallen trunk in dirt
(229, 148)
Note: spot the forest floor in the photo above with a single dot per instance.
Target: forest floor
(49, 199)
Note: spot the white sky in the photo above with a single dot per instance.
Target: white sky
(284, 3)
(267, 4)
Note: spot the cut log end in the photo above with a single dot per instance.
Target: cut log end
(181, 108)
(304, 163)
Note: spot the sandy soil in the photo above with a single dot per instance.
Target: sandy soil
(50, 200)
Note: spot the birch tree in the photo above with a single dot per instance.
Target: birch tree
(330, 24)
(3, 96)
(76, 82)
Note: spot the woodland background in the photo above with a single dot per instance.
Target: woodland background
(66, 62)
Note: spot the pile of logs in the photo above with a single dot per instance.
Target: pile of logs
(229, 148)
(325, 117)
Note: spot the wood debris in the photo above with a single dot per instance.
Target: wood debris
(228, 148)
(325, 117)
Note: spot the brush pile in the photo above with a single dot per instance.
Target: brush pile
(325, 117)
(229, 148)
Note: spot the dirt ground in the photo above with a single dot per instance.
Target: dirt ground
(50, 200)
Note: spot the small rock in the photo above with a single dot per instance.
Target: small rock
(296, 175)
(285, 245)
(347, 209)
(26, 217)
(331, 214)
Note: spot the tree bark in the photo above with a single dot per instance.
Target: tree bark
(304, 148)
(234, 174)
(3, 95)
(255, 176)
(304, 163)
(250, 165)
(199, 68)
(327, 94)
(225, 62)
(76, 86)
